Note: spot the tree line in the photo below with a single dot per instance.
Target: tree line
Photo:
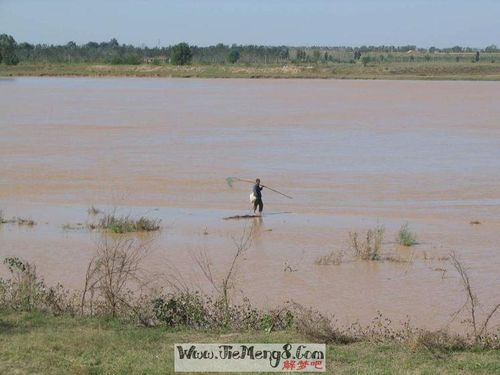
(112, 52)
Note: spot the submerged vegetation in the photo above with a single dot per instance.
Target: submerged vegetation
(126, 224)
(93, 211)
(369, 247)
(116, 285)
(118, 296)
(405, 236)
(335, 257)
(16, 220)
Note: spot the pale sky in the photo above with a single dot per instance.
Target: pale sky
(425, 23)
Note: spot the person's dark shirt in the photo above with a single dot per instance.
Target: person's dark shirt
(257, 191)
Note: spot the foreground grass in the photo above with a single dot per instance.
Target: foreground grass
(38, 343)
(412, 70)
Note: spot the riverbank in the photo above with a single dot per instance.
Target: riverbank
(41, 343)
(486, 71)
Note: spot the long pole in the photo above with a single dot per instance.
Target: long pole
(267, 187)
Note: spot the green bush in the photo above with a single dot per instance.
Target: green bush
(126, 59)
(181, 54)
(406, 237)
(25, 291)
(7, 50)
(194, 310)
(11, 59)
(234, 56)
(365, 60)
(126, 224)
(184, 309)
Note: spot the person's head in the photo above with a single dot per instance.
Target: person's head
(257, 181)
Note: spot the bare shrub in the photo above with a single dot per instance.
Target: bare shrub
(320, 327)
(197, 309)
(220, 311)
(112, 274)
(69, 226)
(288, 268)
(370, 248)
(25, 221)
(16, 220)
(225, 285)
(381, 329)
(396, 258)
(277, 319)
(479, 329)
(93, 211)
(4, 220)
(335, 257)
(439, 341)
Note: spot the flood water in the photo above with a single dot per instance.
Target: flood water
(353, 154)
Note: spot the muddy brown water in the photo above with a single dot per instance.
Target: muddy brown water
(353, 154)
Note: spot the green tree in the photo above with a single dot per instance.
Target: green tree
(365, 60)
(11, 59)
(113, 43)
(181, 54)
(233, 56)
(8, 50)
(284, 54)
(316, 55)
(491, 48)
(301, 55)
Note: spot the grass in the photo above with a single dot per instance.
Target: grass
(17, 220)
(126, 224)
(93, 211)
(77, 226)
(443, 70)
(369, 247)
(405, 236)
(25, 221)
(335, 257)
(41, 343)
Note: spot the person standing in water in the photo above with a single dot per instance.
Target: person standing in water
(257, 192)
